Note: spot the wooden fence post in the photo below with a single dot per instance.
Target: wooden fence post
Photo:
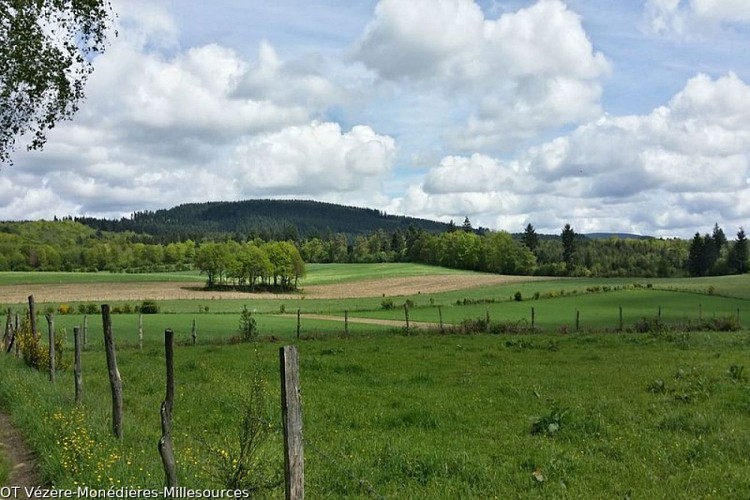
(85, 331)
(298, 322)
(9, 333)
(346, 323)
(77, 370)
(140, 331)
(533, 319)
(51, 333)
(578, 319)
(487, 320)
(440, 317)
(115, 382)
(194, 333)
(406, 316)
(32, 317)
(291, 411)
(166, 449)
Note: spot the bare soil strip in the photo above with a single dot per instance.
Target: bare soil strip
(386, 287)
(23, 473)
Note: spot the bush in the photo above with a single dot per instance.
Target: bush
(35, 354)
(149, 307)
(518, 297)
(387, 304)
(65, 309)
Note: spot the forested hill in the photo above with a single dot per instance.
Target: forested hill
(267, 219)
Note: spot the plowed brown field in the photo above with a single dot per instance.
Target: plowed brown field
(56, 293)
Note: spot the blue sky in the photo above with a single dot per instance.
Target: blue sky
(611, 116)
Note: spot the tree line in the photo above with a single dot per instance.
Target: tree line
(233, 260)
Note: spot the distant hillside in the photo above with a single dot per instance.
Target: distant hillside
(622, 236)
(268, 219)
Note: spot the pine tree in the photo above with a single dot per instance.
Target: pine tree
(738, 254)
(569, 246)
(530, 238)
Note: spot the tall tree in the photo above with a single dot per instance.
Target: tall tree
(738, 254)
(699, 255)
(467, 227)
(568, 237)
(46, 57)
(530, 238)
(718, 237)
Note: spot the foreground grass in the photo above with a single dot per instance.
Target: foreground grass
(645, 416)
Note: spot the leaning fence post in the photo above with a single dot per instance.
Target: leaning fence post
(8, 337)
(51, 333)
(346, 323)
(578, 319)
(77, 370)
(115, 382)
(165, 443)
(533, 319)
(291, 412)
(194, 333)
(32, 317)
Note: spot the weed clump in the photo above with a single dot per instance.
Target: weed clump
(551, 423)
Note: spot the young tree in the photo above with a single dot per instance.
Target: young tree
(568, 237)
(47, 55)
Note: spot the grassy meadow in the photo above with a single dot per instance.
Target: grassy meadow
(388, 413)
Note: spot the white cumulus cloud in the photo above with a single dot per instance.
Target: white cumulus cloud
(519, 74)
(683, 163)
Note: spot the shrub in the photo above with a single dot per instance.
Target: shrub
(518, 297)
(34, 353)
(387, 304)
(65, 309)
(149, 307)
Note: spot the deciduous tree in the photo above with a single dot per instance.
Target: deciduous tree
(47, 53)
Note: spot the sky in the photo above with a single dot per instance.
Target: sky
(629, 116)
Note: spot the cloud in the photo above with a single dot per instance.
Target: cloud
(522, 73)
(163, 125)
(690, 18)
(312, 160)
(670, 170)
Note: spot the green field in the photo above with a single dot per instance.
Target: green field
(390, 413)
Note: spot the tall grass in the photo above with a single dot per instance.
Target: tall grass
(424, 417)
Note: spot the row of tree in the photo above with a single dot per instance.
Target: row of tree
(69, 246)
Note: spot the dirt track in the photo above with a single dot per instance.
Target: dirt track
(391, 287)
